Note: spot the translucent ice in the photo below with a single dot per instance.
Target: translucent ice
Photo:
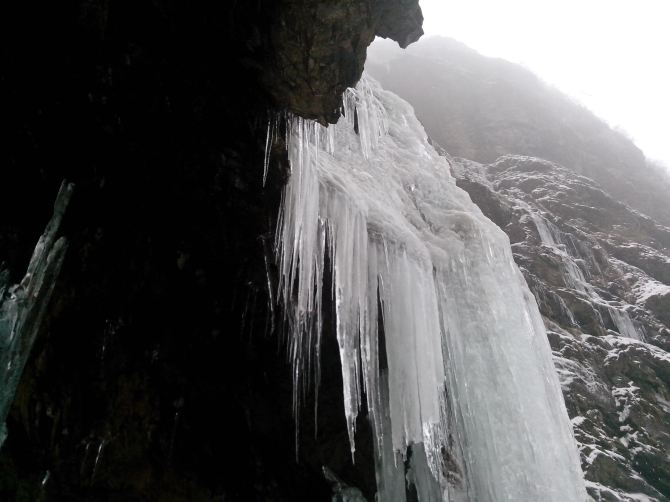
(546, 232)
(624, 324)
(23, 306)
(468, 392)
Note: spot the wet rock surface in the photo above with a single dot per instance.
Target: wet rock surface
(317, 49)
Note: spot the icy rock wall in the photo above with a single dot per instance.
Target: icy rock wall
(552, 237)
(23, 306)
(469, 394)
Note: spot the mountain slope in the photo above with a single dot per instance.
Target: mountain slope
(481, 108)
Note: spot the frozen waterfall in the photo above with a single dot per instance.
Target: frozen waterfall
(468, 392)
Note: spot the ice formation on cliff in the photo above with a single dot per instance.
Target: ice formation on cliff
(553, 238)
(468, 392)
(23, 306)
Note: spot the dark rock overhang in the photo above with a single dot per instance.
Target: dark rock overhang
(317, 49)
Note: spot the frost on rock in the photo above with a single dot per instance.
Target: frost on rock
(467, 391)
(23, 306)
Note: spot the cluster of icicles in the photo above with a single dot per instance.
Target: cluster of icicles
(432, 314)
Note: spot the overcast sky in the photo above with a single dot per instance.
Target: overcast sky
(612, 55)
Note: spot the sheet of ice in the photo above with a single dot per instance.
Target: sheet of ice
(552, 237)
(624, 324)
(546, 233)
(22, 306)
(469, 371)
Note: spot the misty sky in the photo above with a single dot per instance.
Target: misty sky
(612, 55)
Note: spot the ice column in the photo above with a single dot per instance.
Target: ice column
(469, 394)
(23, 306)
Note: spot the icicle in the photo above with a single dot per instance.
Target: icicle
(273, 123)
(470, 375)
(23, 306)
(98, 455)
(267, 257)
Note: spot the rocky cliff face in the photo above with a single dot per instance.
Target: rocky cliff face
(598, 266)
(157, 374)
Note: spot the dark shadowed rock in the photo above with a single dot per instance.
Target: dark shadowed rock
(400, 21)
(318, 49)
